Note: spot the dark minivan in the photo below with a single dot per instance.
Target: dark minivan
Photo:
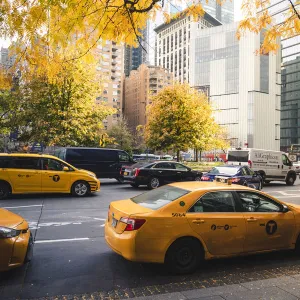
(104, 162)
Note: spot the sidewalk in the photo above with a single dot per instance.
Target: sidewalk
(284, 287)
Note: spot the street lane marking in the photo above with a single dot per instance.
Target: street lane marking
(99, 219)
(24, 206)
(61, 240)
(102, 225)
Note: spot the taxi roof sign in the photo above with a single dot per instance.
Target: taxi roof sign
(223, 179)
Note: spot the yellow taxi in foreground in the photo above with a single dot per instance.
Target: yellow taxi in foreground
(34, 173)
(182, 223)
(15, 241)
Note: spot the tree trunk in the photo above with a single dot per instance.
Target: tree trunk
(197, 157)
(178, 153)
(200, 155)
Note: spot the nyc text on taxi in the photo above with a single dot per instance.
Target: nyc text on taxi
(15, 241)
(33, 173)
(182, 223)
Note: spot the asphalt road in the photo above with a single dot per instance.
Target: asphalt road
(71, 256)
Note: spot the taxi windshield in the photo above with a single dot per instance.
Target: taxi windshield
(223, 170)
(160, 197)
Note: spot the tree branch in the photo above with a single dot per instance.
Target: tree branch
(294, 8)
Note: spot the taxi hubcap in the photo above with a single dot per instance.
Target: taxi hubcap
(154, 182)
(184, 256)
(80, 189)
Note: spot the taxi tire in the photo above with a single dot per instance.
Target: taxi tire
(73, 192)
(5, 190)
(184, 246)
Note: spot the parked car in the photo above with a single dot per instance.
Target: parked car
(272, 165)
(155, 174)
(104, 162)
(241, 175)
(296, 166)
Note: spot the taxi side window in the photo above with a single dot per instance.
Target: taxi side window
(215, 202)
(52, 165)
(253, 202)
(24, 163)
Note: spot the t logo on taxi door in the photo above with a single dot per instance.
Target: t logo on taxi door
(271, 227)
(55, 178)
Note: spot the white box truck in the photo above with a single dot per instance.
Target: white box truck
(272, 165)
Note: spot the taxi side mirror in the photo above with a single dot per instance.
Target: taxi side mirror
(66, 169)
(284, 209)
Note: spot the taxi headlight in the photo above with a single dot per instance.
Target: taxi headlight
(8, 232)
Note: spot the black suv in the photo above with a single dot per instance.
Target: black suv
(155, 174)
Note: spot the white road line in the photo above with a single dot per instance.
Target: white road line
(102, 225)
(24, 206)
(62, 240)
(99, 219)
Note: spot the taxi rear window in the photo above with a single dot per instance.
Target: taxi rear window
(160, 197)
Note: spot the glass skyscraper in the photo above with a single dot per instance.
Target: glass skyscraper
(290, 79)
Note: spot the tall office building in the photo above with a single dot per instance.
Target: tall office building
(138, 88)
(135, 56)
(173, 43)
(244, 88)
(6, 61)
(290, 78)
(223, 13)
(111, 68)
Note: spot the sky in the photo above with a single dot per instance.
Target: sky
(237, 17)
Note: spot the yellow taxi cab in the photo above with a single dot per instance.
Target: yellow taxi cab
(182, 223)
(16, 242)
(34, 173)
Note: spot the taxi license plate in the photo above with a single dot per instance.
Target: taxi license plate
(125, 173)
(114, 222)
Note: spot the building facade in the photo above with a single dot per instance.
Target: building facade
(243, 87)
(138, 88)
(111, 69)
(223, 13)
(135, 56)
(290, 91)
(173, 43)
(6, 61)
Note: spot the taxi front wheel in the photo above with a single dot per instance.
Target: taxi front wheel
(80, 189)
(184, 256)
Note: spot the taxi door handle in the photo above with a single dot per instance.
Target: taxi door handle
(198, 221)
(251, 220)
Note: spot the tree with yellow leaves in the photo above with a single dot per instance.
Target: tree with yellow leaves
(57, 107)
(257, 17)
(179, 118)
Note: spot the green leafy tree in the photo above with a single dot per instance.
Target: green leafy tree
(61, 110)
(178, 118)
(121, 136)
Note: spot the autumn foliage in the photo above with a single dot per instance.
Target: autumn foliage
(180, 118)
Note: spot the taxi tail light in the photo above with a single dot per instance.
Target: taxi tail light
(235, 180)
(250, 163)
(137, 171)
(132, 224)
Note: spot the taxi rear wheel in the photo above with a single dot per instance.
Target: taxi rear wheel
(4, 190)
(184, 256)
(80, 189)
